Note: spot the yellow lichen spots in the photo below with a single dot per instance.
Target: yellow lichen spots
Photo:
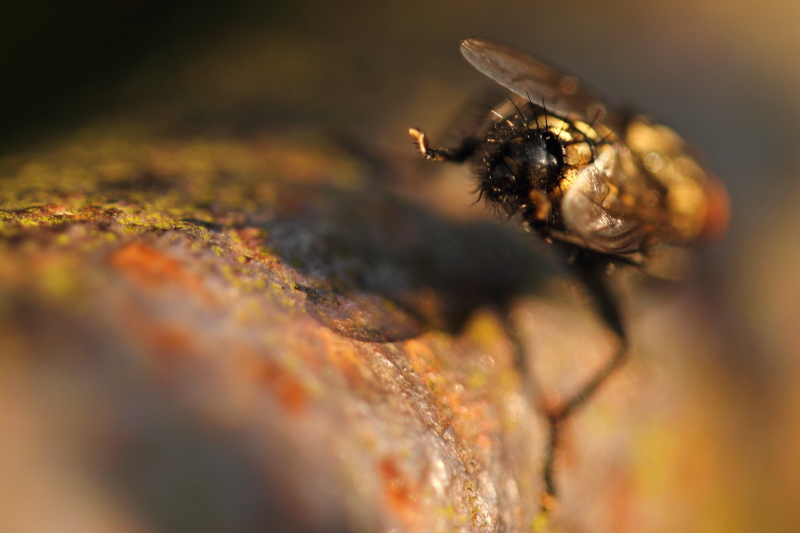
(438, 385)
(540, 203)
(485, 330)
(492, 365)
(472, 497)
(542, 523)
(232, 274)
(197, 246)
(251, 237)
(643, 137)
(424, 358)
(577, 154)
(478, 379)
(148, 268)
(31, 222)
(267, 255)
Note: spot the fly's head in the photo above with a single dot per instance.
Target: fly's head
(518, 168)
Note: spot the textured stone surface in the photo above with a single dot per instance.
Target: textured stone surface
(237, 337)
(212, 320)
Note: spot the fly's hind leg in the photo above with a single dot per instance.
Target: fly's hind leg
(590, 269)
(453, 155)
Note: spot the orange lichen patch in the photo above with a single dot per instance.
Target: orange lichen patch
(476, 422)
(147, 267)
(289, 390)
(252, 238)
(446, 393)
(466, 406)
(52, 210)
(401, 494)
(454, 401)
(422, 357)
(353, 366)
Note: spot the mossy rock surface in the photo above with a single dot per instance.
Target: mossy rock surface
(249, 336)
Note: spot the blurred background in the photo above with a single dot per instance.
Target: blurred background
(726, 75)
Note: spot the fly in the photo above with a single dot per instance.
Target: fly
(604, 186)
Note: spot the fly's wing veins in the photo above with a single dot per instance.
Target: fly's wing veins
(530, 78)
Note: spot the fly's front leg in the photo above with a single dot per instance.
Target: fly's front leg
(591, 272)
(453, 155)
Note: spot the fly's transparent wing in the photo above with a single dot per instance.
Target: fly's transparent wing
(614, 211)
(530, 78)
(606, 226)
